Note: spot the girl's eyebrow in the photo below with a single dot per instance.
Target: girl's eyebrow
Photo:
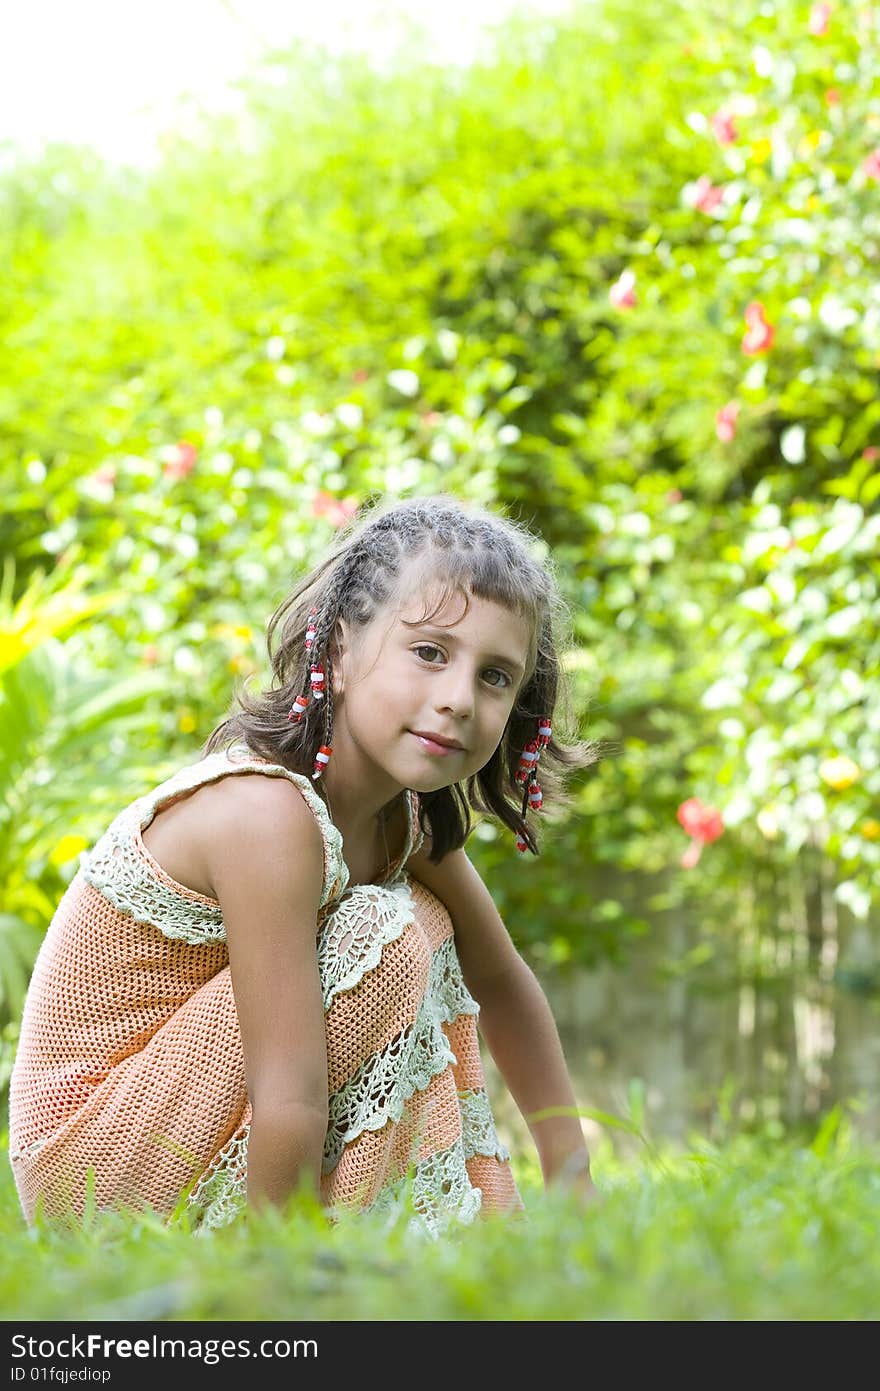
(490, 656)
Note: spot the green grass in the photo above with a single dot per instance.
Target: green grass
(756, 1228)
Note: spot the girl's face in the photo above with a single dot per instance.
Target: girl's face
(456, 676)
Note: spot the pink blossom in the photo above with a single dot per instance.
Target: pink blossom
(760, 332)
(674, 495)
(832, 96)
(699, 820)
(820, 18)
(337, 513)
(725, 421)
(622, 293)
(360, 374)
(703, 824)
(106, 474)
(150, 654)
(871, 165)
(180, 460)
(871, 452)
(430, 418)
(707, 195)
(724, 127)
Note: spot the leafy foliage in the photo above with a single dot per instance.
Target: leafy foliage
(533, 283)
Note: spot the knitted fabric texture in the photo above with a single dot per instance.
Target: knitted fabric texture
(129, 1072)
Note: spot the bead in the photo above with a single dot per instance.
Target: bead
(544, 731)
(322, 758)
(317, 680)
(311, 630)
(536, 796)
(527, 758)
(521, 842)
(297, 708)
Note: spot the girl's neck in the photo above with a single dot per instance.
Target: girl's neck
(362, 827)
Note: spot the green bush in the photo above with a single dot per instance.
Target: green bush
(417, 281)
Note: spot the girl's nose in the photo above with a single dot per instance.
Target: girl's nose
(457, 694)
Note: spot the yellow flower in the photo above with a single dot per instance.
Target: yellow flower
(186, 724)
(762, 149)
(870, 829)
(839, 773)
(67, 849)
(768, 822)
(238, 662)
(810, 143)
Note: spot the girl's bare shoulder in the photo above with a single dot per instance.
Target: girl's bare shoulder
(187, 836)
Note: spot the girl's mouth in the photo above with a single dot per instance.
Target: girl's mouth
(430, 746)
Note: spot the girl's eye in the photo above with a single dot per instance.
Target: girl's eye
(499, 685)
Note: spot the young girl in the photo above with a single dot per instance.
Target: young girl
(268, 970)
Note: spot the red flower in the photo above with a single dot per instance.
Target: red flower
(871, 165)
(699, 820)
(871, 452)
(832, 96)
(707, 195)
(622, 293)
(724, 127)
(703, 824)
(180, 460)
(820, 18)
(725, 421)
(760, 334)
(337, 513)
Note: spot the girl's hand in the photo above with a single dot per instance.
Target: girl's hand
(584, 1187)
(573, 1176)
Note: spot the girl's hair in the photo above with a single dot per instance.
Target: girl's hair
(466, 549)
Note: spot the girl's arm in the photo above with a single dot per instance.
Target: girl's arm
(515, 1016)
(269, 900)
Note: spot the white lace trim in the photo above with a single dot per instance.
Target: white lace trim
(478, 1133)
(117, 869)
(221, 1193)
(381, 1087)
(365, 920)
(440, 1191)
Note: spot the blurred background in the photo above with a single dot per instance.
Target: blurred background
(610, 269)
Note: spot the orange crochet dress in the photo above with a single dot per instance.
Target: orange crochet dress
(130, 1062)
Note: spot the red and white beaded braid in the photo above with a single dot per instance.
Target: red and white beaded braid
(317, 681)
(527, 772)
